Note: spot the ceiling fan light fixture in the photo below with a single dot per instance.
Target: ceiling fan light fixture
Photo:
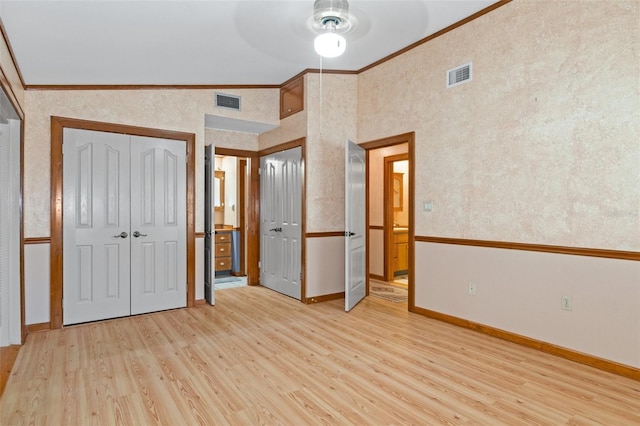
(331, 19)
(330, 45)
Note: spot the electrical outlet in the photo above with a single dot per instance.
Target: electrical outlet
(565, 303)
(472, 289)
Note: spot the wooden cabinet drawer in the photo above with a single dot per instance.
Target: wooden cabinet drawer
(223, 263)
(400, 251)
(222, 237)
(401, 238)
(223, 249)
(402, 256)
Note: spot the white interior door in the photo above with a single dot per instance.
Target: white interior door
(281, 178)
(124, 225)
(158, 225)
(355, 205)
(96, 226)
(209, 243)
(10, 206)
(270, 218)
(291, 172)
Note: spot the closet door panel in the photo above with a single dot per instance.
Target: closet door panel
(96, 226)
(158, 224)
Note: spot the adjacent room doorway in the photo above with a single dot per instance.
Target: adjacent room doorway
(390, 218)
(229, 220)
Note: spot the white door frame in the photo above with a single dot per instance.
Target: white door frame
(56, 256)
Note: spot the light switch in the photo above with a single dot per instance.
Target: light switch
(428, 206)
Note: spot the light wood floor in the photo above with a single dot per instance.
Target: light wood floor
(261, 358)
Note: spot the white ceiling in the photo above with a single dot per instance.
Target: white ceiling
(207, 42)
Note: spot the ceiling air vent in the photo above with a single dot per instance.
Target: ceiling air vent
(459, 75)
(227, 101)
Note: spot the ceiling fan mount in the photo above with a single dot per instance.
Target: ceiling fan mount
(332, 15)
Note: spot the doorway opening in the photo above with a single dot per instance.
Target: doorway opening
(396, 218)
(230, 198)
(234, 206)
(390, 218)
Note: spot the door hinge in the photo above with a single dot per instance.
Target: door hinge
(62, 148)
(259, 264)
(259, 172)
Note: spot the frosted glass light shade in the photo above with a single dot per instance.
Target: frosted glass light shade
(330, 45)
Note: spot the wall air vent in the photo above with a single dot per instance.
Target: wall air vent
(228, 101)
(459, 75)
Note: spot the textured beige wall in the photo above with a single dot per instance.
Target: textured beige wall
(542, 145)
(328, 120)
(291, 128)
(232, 140)
(332, 120)
(325, 266)
(181, 110)
(376, 252)
(520, 291)
(9, 74)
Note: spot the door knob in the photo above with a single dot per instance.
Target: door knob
(137, 234)
(276, 229)
(121, 235)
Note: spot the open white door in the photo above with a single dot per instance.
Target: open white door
(354, 207)
(209, 196)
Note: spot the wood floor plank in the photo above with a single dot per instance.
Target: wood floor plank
(8, 355)
(258, 357)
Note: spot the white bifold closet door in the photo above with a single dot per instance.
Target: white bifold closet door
(124, 225)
